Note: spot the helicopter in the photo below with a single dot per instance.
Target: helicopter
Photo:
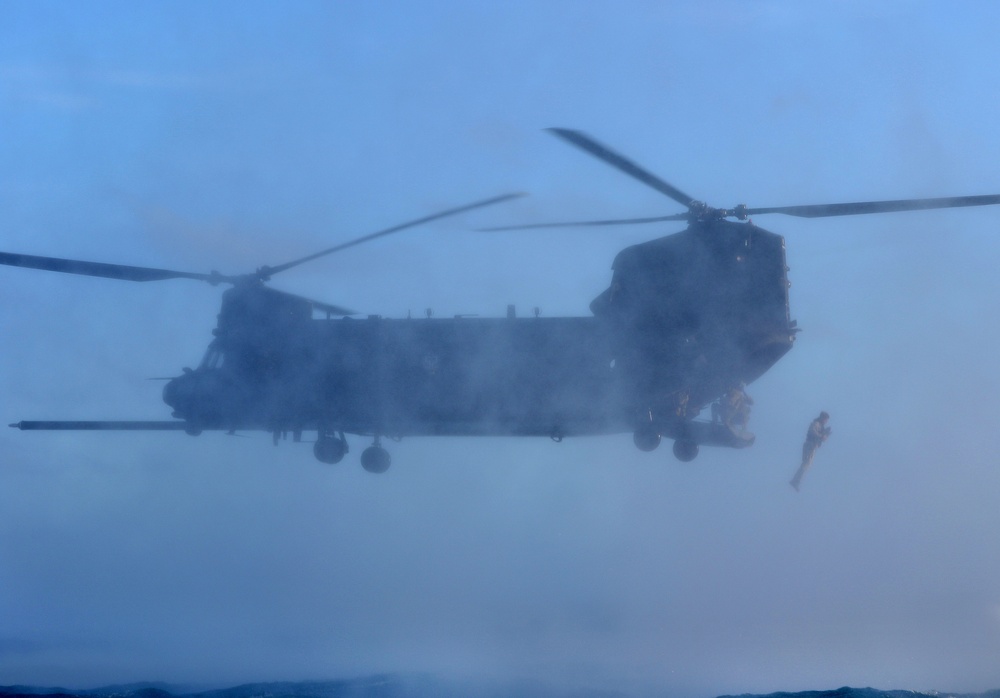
(687, 319)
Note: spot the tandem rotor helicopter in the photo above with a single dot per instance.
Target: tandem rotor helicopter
(686, 318)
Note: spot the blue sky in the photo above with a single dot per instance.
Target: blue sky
(203, 136)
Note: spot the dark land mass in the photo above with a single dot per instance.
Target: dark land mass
(847, 692)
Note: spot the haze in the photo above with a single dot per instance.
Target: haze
(201, 136)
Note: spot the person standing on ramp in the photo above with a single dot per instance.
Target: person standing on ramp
(817, 434)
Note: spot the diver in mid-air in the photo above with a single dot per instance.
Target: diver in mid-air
(818, 433)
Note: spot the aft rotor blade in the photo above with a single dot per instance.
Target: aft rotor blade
(585, 142)
(577, 224)
(101, 269)
(267, 272)
(851, 209)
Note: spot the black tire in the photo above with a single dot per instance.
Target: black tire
(646, 439)
(685, 451)
(328, 449)
(375, 459)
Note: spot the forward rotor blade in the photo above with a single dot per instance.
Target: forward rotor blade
(585, 142)
(577, 224)
(101, 269)
(100, 426)
(851, 209)
(267, 272)
(318, 305)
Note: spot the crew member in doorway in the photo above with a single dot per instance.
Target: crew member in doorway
(817, 434)
(733, 409)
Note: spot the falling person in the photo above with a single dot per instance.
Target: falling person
(818, 433)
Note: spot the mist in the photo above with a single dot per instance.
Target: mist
(234, 135)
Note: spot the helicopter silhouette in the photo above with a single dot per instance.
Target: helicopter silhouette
(687, 319)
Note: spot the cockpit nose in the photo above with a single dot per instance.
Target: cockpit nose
(204, 398)
(179, 392)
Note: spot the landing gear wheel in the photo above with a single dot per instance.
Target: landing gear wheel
(685, 451)
(375, 459)
(329, 449)
(646, 438)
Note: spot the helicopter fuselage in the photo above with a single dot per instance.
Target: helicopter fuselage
(517, 376)
(686, 318)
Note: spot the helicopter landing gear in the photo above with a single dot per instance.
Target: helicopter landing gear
(330, 449)
(685, 450)
(646, 438)
(375, 459)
